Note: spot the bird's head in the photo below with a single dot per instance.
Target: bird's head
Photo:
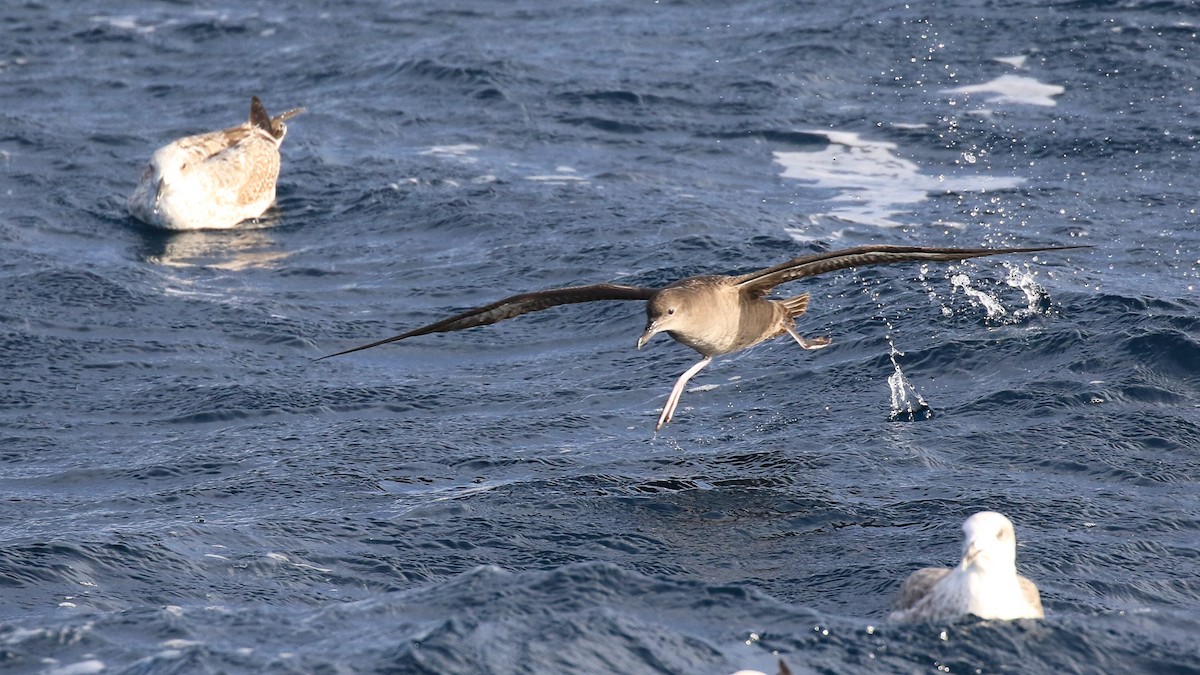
(665, 312)
(168, 164)
(989, 542)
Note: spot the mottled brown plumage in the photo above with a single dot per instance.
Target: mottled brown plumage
(712, 314)
(213, 180)
(985, 583)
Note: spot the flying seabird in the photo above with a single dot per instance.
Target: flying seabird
(712, 314)
(213, 180)
(985, 583)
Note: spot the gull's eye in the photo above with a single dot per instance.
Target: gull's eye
(1000, 534)
(670, 310)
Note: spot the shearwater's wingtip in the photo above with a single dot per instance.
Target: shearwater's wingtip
(369, 345)
(345, 351)
(328, 356)
(1062, 248)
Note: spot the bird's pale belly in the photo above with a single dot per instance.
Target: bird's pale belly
(734, 327)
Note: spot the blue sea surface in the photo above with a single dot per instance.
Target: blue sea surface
(184, 490)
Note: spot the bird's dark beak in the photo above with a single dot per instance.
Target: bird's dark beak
(651, 330)
(971, 553)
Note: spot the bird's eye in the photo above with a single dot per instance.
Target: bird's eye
(670, 310)
(1000, 534)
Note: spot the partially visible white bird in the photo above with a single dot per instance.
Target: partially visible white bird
(985, 584)
(783, 670)
(214, 180)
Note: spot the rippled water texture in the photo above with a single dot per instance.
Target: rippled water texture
(184, 490)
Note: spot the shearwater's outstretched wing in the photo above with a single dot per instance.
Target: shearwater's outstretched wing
(763, 281)
(516, 306)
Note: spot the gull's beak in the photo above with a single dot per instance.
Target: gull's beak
(158, 192)
(651, 330)
(970, 554)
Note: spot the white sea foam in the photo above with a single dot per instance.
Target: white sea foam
(874, 184)
(460, 150)
(1014, 61)
(562, 174)
(1014, 89)
(78, 668)
(128, 23)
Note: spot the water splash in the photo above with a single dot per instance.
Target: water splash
(907, 403)
(1036, 296)
(1037, 299)
(932, 293)
(990, 303)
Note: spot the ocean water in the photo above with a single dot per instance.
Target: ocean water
(184, 490)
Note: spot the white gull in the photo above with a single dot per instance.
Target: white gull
(213, 180)
(985, 584)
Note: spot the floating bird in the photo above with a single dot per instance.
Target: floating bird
(783, 670)
(713, 314)
(214, 180)
(985, 584)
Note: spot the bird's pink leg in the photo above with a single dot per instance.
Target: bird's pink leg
(815, 343)
(677, 391)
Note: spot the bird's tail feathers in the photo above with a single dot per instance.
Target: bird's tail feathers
(796, 306)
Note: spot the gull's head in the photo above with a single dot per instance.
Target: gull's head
(164, 170)
(989, 542)
(665, 312)
(167, 164)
